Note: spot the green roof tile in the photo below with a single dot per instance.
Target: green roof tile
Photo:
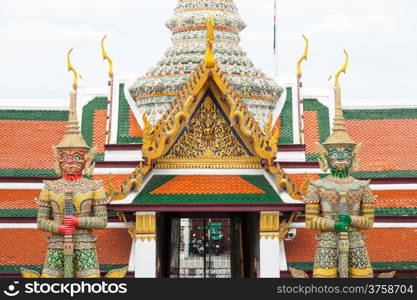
(386, 174)
(34, 115)
(123, 133)
(27, 173)
(287, 135)
(145, 197)
(380, 174)
(15, 213)
(398, 265)
(28, 212)
(87, 125)
(396, 211)
(38, 268)
(380, 114)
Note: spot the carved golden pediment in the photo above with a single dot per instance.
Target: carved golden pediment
(208, 142)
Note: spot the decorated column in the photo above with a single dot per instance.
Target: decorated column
(145, 245)
(269, 245)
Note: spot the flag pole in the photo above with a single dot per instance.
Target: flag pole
(299, 97)
(276, 37)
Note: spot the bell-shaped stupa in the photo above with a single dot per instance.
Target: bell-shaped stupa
(155, 91)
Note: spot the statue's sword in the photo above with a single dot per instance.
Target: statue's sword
(68, 240)
(343, 243)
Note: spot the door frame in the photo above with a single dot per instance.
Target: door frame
(244, 242)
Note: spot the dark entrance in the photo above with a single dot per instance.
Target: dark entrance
(208, 245)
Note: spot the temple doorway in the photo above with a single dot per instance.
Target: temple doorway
(200, 248)
(208, 245)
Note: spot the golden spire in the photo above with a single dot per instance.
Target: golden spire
(72, 137)
(342, 70)
(304, 57)
(339, 136)
(106, 57)
(71, 68)
(209, 58)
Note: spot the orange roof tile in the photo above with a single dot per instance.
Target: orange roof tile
(24, 199)
(302, 248)
(396, 198)
(278, 124)
(113, 246)
(27, 144)
(117, 180)
(99, 130)
(386, 144)
(207, 184)
(299, 179)
(392, 244)
(311, 131)
(134, 128)
(384, 245)
(18, 199)
(17, 251)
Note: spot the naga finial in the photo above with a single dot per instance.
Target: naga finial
(71, 68)
(304, 57)
(106, 57)
(210, 61)
(342, 70)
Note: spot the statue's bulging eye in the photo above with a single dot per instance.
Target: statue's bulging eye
(77, 158)
(334, 155)
(346, 155)
(63, 158)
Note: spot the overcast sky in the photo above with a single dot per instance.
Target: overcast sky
(380, 36)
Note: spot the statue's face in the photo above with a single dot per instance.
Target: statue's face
(72, 161)
(340, 159)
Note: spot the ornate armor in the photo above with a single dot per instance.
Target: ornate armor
(89, 201)
(322, 210)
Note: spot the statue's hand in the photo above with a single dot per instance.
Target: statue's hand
(66, 230)
(71, 221)
(345, 219)
(341, 226)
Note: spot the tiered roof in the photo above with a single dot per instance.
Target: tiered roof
(208, 190)
(26, 140)
(155, 91)
(386, 136)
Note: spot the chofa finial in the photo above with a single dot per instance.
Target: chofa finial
(304, 57)
(71, 68)
(342, 70)
(106, 57)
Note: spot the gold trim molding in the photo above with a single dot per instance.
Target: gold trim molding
(269, 225)
(145, 227)
(205, 163)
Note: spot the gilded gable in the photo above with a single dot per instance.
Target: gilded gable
(208, 141)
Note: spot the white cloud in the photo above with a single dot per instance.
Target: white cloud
(35, 36)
